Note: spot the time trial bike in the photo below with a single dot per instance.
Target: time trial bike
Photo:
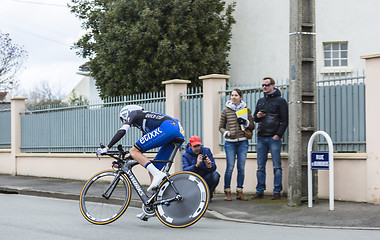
(179, 201)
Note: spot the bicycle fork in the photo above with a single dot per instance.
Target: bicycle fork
(109, 190)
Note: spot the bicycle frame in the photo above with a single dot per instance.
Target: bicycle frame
(127, 170)
(180, 200)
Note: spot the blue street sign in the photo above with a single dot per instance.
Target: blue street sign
(319, 160)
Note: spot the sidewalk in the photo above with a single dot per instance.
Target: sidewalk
(347, 215)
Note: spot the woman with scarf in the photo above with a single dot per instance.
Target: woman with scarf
(236, 144)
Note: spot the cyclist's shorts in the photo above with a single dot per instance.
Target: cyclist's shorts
(161, 136)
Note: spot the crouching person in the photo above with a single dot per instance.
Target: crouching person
(199, 159)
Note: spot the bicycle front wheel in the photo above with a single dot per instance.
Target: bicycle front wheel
(187, 211)
(104, 198)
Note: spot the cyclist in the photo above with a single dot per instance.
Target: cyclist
(158, 131)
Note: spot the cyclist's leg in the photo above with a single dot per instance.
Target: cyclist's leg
(138, 156)
(144, 161)
(160, 136)
(165, 151)
(163, 154)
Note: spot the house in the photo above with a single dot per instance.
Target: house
(345, 30)
(86, 88)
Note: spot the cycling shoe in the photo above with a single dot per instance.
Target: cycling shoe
(157, 179)
(143, 216)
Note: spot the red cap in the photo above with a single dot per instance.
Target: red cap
(195, 140)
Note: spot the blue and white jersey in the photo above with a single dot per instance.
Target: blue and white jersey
(158, 131)
(145, 121)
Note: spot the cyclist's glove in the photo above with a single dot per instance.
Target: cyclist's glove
(101, 151)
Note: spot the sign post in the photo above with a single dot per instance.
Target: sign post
(320, 160)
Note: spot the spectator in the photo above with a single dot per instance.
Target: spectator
(271, 114)
(236, 144)
(200, 160)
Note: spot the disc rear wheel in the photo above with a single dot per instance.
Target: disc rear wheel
(187, 211)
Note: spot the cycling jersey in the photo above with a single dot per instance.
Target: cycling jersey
(158, 129)
(146, 121)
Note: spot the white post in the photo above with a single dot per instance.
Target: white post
(17, 106)
(372, 85)
(173, 90)
(212, 84)
(331, 169)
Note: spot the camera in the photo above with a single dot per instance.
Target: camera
(204, 157)
(241, 120)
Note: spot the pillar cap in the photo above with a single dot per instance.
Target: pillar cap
(18, 98)
(214, 76)
(370, 56)
(176, 81)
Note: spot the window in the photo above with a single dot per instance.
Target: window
(335, 54)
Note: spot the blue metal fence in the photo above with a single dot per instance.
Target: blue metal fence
(341, 112)
(192, 113)
(5, 128)
(250, 97)
(82, 128)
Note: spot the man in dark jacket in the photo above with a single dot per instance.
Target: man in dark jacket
(199, 159)
(271, 114)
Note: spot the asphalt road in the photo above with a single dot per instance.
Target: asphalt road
(29, 217)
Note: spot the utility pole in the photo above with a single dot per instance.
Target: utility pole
(302, 97)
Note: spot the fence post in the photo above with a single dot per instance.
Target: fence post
(212, 84)
(173, 90)
(17, 106)
(372, 86)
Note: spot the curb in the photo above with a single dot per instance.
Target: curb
(49, 194)
(217, 215)
(137, 204)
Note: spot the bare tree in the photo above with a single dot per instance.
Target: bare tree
(12, 57)
(44, 95)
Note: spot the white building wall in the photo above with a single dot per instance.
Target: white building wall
(94, 94)
(83, 88)
(357, 22)
(86, 88)
(260, 41)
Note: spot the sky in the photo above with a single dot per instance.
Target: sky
(46, 30)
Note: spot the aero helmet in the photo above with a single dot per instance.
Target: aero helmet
(125, 111)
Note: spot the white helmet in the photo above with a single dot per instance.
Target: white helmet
(125, 111)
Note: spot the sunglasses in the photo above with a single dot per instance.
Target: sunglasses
(266, 84)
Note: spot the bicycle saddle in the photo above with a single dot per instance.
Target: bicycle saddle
(178, 140)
